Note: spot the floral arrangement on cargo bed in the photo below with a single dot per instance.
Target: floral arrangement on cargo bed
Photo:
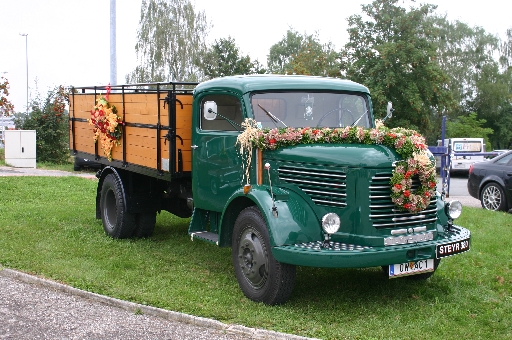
(409, 144)
(107, 125)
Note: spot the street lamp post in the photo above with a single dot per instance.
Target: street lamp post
(26, 59)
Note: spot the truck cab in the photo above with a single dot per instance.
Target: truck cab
(295, 191)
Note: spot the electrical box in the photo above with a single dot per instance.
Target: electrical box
(20, 148)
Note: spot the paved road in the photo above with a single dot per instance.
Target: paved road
(459, 191)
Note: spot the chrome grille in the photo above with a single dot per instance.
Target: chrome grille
(384, 213)
(324, 186)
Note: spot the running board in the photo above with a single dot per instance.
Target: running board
(205, 236)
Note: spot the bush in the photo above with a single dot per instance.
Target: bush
(49, 118)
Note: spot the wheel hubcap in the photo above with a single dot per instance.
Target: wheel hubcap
(252, 258)
(492, 198)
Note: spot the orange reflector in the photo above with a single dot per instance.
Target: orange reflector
(247, 188)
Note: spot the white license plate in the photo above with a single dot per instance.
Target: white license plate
(411, 268)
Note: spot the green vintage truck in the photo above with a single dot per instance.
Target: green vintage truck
(286, 170)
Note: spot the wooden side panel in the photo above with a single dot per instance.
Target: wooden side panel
(184, 130)
(140, 142)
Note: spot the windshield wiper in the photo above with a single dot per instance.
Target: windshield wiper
(358, 119)
(274, 118)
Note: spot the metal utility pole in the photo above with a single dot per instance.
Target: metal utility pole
(113, 54)
(26, 59)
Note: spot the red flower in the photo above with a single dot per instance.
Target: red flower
(272, 141)
(108, 91)
(398, 186)
(407, 193)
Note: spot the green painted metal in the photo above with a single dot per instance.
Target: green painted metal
(296, 222)
(366, 257)
(307, 182)
(346, 155)
(241, 85)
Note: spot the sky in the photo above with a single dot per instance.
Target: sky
(68, 41)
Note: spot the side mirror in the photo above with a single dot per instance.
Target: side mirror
(389, 111)
(210, 110)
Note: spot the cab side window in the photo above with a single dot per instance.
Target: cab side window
(228, 109)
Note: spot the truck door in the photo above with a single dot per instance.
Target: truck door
(216, 167)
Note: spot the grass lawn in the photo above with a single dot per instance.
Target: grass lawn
(47, 228)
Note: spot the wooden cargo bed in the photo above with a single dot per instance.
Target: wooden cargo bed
(156, 136)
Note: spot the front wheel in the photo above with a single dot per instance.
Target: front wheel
(493, 197)
(260, 276)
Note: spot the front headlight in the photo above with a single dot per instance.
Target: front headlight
(330, 223)
(453, 209)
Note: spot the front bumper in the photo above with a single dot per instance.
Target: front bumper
(339, 255)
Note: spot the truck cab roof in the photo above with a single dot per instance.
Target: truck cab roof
(261, 82)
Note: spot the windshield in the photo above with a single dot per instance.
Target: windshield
(310, 109)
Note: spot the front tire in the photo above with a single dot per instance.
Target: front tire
(493, 197)
(260, 277)
(117, 222)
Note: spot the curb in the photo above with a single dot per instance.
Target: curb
(251, 333)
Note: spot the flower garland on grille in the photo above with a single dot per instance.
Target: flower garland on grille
(409, 144)
(107, 125)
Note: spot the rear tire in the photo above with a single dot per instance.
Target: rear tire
(260, 277)
(117, 222)
(145, 224)
(493, 197)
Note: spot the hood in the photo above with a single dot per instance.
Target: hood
(352, 155)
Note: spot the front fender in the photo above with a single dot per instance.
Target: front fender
(295, 223)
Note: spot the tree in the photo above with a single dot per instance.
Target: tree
(502, 137)
(506, 51)
(316, 60)
(6, 107)
(50, 120)
(303, 54)
(281, 53)
(170, 42)
(223, 59)
(393, 53)
(463, 53)
(468, 126)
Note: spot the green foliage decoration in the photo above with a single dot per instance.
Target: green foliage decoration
(409, 144)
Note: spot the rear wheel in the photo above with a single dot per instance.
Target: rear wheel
(493, 197)
(117, 222)
(145, 224)
(259, 275)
